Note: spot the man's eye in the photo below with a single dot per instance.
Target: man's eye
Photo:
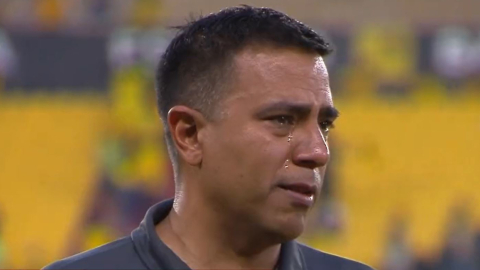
(325, 126)
(284, 120)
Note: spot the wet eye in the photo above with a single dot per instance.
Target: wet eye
(284, 120)
(325, 126)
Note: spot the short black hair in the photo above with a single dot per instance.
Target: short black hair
(198, 59)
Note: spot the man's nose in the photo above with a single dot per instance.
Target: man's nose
(311, 150)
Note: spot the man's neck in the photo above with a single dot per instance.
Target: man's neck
(202, 240)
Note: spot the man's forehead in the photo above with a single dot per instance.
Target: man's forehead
(276, 69)
(273, 57)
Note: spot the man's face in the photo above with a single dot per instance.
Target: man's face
(264, 160)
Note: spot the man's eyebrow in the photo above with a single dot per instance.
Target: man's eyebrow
(328, 112)
(286, 106)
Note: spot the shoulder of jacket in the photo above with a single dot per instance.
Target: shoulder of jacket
(313, 256)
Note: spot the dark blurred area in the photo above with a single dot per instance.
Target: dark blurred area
(81, 147)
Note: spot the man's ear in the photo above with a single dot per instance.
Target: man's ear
(184, 124)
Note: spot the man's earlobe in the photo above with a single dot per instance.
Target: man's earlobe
(184, 124)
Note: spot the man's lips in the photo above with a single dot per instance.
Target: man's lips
(305, 189)
(300, 194)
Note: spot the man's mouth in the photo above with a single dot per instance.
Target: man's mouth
(301, 194)
(302, 188)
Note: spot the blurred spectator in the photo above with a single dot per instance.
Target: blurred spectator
(132, 180)
(398, 253)
(101, 221)
(388, 54)
(458, 253)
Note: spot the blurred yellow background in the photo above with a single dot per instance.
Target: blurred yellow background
(82, 154)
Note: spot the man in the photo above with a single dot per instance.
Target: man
(246, 104)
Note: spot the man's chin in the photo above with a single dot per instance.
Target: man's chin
(289, 228)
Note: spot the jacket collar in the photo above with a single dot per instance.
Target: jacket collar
(157, 255)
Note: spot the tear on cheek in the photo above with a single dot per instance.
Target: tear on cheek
(317, 174)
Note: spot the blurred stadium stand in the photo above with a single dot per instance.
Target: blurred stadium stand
(81, 154)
